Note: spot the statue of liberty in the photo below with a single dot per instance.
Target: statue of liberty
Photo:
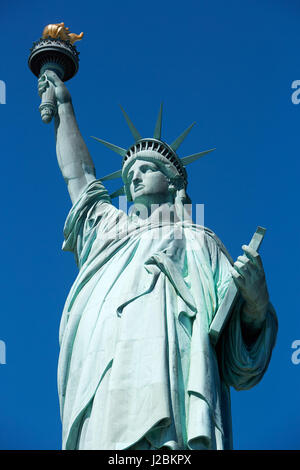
(137, 369)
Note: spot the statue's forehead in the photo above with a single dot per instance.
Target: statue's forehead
(139, 161)
(165, 168)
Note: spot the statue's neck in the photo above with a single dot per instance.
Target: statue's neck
(161, 213)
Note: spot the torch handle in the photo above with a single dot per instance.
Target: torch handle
(48, 107)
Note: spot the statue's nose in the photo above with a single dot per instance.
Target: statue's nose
(137, 177)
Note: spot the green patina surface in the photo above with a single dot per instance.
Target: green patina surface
(137, 368)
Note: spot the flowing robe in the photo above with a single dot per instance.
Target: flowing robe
(136, 363)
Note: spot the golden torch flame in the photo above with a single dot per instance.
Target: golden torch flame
(59, 30)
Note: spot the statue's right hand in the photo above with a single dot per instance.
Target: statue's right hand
(62, 94)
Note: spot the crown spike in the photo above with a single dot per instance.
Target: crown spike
(157, 130)
(113, 147)
(118, 192)
(181, 138)
(131, 126)
(112, 176)
(194, 157)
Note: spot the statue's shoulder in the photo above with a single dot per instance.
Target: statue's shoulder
(212, 240)
(212, 236)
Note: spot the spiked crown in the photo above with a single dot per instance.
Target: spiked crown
(151, 149)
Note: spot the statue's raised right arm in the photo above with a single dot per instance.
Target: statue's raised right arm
(73, 156)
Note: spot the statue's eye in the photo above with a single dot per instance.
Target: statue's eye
(146, 168)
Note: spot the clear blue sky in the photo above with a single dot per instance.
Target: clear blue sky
(228, 66)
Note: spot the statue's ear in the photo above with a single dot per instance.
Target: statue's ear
(171, 186)
(176, 183)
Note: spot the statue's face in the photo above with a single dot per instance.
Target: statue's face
(147, 183)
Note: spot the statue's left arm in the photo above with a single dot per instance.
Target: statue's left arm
(249, 275)
(247, 341)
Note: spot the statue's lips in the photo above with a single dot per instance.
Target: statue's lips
(138, 187)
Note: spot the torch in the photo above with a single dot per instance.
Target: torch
(54, 51)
